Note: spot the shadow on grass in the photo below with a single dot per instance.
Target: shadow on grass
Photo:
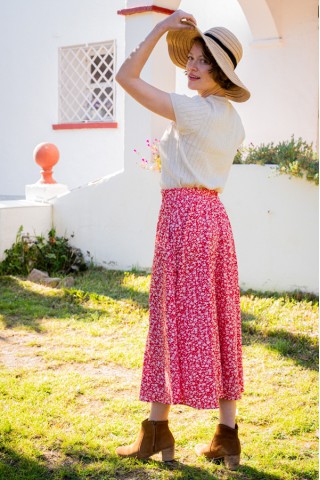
(22, 307)
(15, 466)
(295, 295)
(190, 472)
(300, 348)
(111, 284)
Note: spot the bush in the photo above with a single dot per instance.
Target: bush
(52, 255)
(294, 157)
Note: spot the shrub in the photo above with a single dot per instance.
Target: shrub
(53, 255)
(294, 157)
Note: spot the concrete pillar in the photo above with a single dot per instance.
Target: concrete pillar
(141, 124)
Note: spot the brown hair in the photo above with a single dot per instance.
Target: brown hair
(218, 74)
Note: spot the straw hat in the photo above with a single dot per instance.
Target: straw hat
(224, 47)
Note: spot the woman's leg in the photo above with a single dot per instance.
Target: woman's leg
(227, 412)
(154, 436)
(159, 412)
(225, 443)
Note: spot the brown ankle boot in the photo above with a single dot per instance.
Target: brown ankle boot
(154, 437)
(224, 445)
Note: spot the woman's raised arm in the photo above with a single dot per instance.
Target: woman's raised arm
(128, 75)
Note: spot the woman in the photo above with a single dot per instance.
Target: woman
(193, 351)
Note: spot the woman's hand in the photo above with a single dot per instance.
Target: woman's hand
(179, 20)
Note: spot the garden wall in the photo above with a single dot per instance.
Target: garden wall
(275, 224)
(36, 219)
(274, 218)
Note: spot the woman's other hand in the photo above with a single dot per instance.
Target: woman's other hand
(179, 20)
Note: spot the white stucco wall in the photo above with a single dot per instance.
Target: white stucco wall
(32, 32)
(36, 219)
(282, 76)
(274, 220)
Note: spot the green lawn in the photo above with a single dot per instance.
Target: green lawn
(70, 363)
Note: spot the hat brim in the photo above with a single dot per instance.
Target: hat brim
(179, 45)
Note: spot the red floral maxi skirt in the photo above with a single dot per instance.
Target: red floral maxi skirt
(193, 352)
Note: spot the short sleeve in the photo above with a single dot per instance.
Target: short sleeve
(190, 112)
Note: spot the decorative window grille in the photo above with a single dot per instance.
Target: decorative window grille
(86, 83)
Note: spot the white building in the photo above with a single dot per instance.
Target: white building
(57, 78)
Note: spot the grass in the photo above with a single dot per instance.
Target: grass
(70, 373)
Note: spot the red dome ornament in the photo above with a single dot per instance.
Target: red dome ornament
(46, 155)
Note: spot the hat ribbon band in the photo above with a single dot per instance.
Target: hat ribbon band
(226, 49)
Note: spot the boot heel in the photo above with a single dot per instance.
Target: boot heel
(168, 454)
(232, 462)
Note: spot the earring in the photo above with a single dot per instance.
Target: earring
(185, 72)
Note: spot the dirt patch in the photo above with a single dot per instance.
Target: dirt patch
(15, 353)
(52, 458)
(138, 475)
(21, 349)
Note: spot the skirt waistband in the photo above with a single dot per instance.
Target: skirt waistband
(191, 190)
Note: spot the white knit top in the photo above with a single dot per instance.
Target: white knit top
(197, 150)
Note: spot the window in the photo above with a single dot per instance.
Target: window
(86, 83)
